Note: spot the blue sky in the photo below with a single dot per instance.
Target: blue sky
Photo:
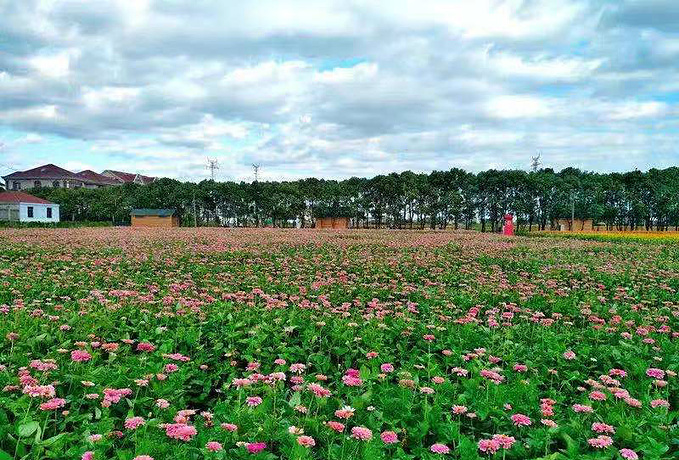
(337, 89)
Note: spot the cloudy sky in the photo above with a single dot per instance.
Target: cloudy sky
(338, 88)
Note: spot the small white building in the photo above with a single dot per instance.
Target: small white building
(22, 207)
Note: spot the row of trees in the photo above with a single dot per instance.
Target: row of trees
(441, 199)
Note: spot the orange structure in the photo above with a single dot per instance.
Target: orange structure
(154, 218)
(332, 222)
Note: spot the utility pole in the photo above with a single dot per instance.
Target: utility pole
(212, 165)
(535, 162)
(255, 169)
(572, 212)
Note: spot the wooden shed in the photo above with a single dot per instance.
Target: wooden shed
(154, 218)
(332, 222)
(578, 225)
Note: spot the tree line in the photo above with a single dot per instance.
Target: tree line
(442, 199)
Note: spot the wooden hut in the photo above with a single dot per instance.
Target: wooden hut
(332, 222)
(154, 218)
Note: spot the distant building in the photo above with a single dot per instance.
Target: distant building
(578, 225)
(154, 218)
(43, 176)
(54, 176)
(22, 207)
(332, 222)
(128, 178)
(92, 179)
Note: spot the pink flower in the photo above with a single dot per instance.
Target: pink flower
(489, 446)
(162, 403)
(171, 367)
(569, 355)
(229, 427)
(389, 437)
(319, 391)
(521, 420)
(213, 446)
(655, 373)
(602, 428)
(89, 455)
(459, 410)
(180, 431)
(253, 401)
(53, 404)
(387, 368)
(506, 442)
(95, 437)
(351, 378)
(306, 441)
(80, 356)
(629, 454)
(600, 442)
(345, 412)
(255, 447)
(143, 457)
(439, 449)
(297, 368)
(145, 346)
(582, 408)
(361, 433)
(134, 423)
(335, 426)
(660, 403)
(597, 396)
(520, 367)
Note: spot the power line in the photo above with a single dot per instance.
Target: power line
(255, 170)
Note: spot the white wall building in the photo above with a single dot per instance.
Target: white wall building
(22, 207)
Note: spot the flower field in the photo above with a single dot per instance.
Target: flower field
(300, 344)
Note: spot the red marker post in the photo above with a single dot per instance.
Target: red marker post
(508, 228)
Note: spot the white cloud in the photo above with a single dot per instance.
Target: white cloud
(518, 106)
(633, 110)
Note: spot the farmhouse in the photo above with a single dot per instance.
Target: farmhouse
(51, 175)
(332, 222)
(154, 218)
(22, 207)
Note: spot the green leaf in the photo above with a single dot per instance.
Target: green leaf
(27, 428)
(5, 456)
(49, 441)
(296, 399)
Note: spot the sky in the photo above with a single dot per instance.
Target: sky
(336, 89)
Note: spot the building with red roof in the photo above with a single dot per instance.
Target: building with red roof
(128, 178)
(22, 207)
(50, 175)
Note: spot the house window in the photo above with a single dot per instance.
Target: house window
(37, 183)
(16, 185)
(49, 213)
(30, 211)
(55, 184)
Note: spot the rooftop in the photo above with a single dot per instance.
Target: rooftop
(20, 197)
(152, 212)
(48, 171)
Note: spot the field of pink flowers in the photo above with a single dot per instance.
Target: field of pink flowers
(300, 344)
